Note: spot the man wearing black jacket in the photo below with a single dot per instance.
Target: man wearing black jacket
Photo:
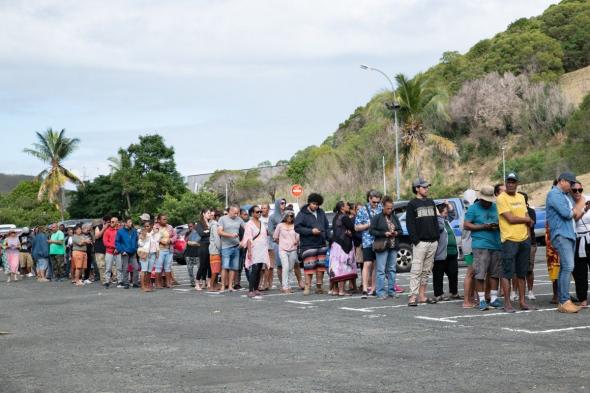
(423, 229)
(312, 226)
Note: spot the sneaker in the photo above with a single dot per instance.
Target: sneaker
(87, 282)
(483, 305)
(364, 295)
(398, 289)
(237, 287)
(135, 286)
(30, 275)
(497, 303)
(257, 297)
(568, 307)
(119, 285)
(531, 296)
(126, 286)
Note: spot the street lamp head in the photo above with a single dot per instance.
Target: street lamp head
(364, 67)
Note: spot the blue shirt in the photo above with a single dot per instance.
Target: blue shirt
(126, 240)
(362, 218)
(560, 216)
(487, 240)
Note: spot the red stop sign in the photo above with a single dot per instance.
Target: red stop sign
(296, 190)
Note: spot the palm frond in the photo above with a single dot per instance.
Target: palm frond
(443, 145)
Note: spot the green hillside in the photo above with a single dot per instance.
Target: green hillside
(456, 116)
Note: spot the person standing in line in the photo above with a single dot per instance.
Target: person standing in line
(424, 231)
(362, 223)
(514, 223)
(445, 259)
(256, 244)
(386, 228)
(79, 257)
(228, 230)
(245, 216)
(530, 278)
(91, 260)
(25, 257)
(562, 214)
(214, 251)
(99, 247)
(204, 271)
(342, 253)
(69, 269)
(312, 226)
(268, 273)
(11, 248)
(582, 255)
(191, 252)
(111, 255)
(147, 252)
(482, 220)
(126, 246)
(57, 251)
(168, 237)
(40, 252)
(287, 240)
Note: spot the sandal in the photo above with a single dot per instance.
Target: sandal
(456, 297)
(468, 306)
(413, 303)
(429, 300)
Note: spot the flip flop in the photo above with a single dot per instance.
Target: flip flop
(468, 307)
(413, 304)
(429, 300)
(528, 308)
(509, 310)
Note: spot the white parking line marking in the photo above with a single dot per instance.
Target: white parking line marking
(298, 302)
(356, 309)
(546, 331)
(181, 290)
(453, 318)
(435, 319)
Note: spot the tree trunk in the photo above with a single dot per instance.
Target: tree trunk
(62, 203)
(128, 203)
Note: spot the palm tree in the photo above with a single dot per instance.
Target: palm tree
(418, 100)
(121, 167)
(53, 148)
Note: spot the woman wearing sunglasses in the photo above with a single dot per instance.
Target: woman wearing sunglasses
(582, 255)
(287, 240)
(255, 241)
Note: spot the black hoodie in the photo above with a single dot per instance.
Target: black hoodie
(305, 222)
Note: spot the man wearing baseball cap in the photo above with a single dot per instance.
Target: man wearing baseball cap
(424, 231)
(562, 214)
(514, 223)
(482, 220)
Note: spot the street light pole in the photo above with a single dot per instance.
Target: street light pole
(503, 164)
(395, 127)
(384, 183)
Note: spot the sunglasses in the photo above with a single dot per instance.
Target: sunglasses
(113, 222)
(283, 203)
(258, 212)
(580, 190)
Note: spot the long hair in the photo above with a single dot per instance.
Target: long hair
(202, 220)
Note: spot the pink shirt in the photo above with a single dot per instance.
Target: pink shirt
(287, 238)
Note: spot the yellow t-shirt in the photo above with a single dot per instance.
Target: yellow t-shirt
(517, 206)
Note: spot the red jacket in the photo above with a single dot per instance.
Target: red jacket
(108, 238)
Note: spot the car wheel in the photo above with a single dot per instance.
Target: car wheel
(404, 258)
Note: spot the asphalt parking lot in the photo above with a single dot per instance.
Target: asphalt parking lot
(60, 338)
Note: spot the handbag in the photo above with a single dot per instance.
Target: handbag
(380, 245)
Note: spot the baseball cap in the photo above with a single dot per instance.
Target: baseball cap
(420, 182)
(567, 176)
(144, 217)
(512, 176)
(487, 194)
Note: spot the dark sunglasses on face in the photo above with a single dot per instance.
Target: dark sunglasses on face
(580, 190)
(282, 203)
(258, 212)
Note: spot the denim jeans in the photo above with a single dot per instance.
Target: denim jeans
(109, 260)
(123, 265)
(566, 249)
(230, 258)
(164, 262)
(386, 267)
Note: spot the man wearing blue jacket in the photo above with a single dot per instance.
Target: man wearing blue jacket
(126, 246)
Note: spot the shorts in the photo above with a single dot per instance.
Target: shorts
(147, 264)
(487, 262)
(79, 259)
(314, 260)
(42, 263)
(164, 262)
(468, 259)
(230, 258)
(515, 258)
(25, 260)
(532, 258)
(215, 264)
(369, 254)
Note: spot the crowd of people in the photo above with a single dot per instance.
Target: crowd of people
(497, 241)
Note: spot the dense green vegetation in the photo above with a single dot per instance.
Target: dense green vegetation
(461, 111)
(22, 207)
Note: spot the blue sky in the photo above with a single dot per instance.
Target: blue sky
(228, 83)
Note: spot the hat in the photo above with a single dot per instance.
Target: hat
(420, 182)
(487, 194)
(144, 217)
(567, 176)
(512, 176)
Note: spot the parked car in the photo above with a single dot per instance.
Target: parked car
(404, 255)
(180, 244)
(540, 225)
